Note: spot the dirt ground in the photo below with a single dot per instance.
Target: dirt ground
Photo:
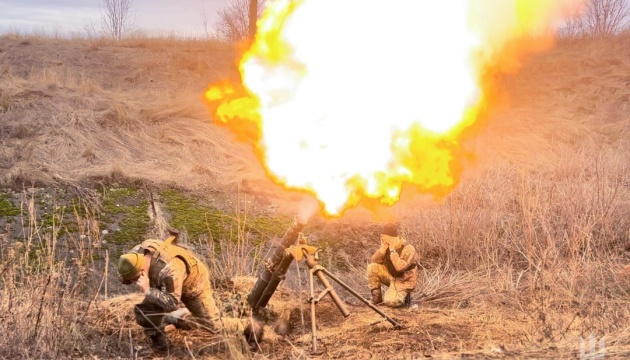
(425, 332)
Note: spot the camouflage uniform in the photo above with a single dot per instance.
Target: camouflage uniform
(176, 277)
(398, 272)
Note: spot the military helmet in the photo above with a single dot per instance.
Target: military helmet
(130, 265)
(390, 229)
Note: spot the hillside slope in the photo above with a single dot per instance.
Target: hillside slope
(522, 259)
(76, 111)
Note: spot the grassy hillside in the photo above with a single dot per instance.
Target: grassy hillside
(523, 258)
(75, 111)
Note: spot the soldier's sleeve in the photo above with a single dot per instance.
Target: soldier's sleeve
(378, 257)
(404, 260)
(168, 292)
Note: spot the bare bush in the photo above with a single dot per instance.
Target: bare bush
(233, 24)
(117, 17)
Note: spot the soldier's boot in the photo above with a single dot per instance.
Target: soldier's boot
(253, 334)
(407, 302)
(150, 318)
(377, 296)
(159, 342)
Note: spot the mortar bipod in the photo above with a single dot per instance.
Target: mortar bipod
(310, 255)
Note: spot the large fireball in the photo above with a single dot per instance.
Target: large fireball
(353, 99)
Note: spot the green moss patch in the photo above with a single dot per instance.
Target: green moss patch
(201, 220)
(7, 208)
(188, 214)
(125, 213)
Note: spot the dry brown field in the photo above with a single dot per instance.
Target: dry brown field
(522, 260)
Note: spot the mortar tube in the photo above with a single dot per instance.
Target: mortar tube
(269, 267)
(277, 276)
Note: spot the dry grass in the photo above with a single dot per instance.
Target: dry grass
(48, 293)
(55, 298)
(522, 259)
(132, 102)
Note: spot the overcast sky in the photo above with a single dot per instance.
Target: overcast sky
(182, 17)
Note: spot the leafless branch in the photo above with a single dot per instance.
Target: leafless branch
(117, 17)
(606, 17)
(233, 24)
(204, 20)
(601, 18)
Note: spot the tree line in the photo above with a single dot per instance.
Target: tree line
(235, 20)
(598, 18)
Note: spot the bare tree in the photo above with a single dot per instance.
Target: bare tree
(205, 20)
(573, 24)
(117, 17)
(233, 24)
(606, 17)
(253, 17)
(600, 18)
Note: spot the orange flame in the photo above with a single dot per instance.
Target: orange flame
(352, 100)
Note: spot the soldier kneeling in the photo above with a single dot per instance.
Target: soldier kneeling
(169, 275)
(394, 265)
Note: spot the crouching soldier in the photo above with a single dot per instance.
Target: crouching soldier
(394, 265)
(170, 275)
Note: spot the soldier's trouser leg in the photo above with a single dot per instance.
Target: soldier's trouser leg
(378, 275)
(395, 295)
(206, 315)
(150, 316)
